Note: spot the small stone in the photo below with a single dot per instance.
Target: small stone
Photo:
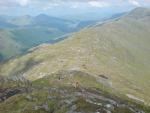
(45, 107)
(109, 106)
(49, 97)
(107, 111)
(29, 98)
(36, 107)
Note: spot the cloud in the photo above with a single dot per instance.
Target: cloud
(75, 5)
(92, 3)
(66, 5)
(135, 2)
(23, 2)
(99, 4)
(49, 6)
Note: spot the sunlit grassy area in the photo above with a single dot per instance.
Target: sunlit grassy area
(118, 50)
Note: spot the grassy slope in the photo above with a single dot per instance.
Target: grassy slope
(118, 49)
(29, 32)
(16, 41)
(8, 47)
(31, 37)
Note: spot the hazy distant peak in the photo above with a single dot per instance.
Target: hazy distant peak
(45, 17)
(27, 16)
(139, 12)
(42, 15)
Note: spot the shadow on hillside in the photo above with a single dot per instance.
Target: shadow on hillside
(29, 64)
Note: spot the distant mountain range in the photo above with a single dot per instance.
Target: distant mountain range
(18, 34)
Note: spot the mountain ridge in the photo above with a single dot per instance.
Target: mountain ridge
(28, 31)
(114, 50)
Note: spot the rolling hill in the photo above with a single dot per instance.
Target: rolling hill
(27, 32)
(115, 53)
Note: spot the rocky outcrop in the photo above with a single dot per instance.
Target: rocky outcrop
(6, 93)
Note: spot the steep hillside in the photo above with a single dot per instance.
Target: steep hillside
(14, 42)
(117, 50)
(21, 21)
(28, 32)
(8, 47)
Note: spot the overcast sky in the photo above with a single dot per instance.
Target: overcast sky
(62, 7)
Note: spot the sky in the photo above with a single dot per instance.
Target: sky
(68, 7)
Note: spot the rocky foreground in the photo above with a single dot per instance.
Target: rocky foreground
(65, 94)
(69, 100)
